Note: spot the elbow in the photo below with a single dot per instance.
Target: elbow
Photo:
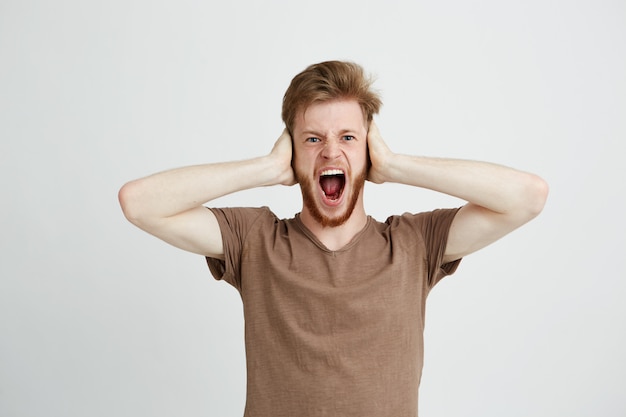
(535, 195)
(128, 199)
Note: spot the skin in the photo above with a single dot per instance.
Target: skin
(331, 136)
(169, 204)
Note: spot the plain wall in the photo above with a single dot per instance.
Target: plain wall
(100, 319)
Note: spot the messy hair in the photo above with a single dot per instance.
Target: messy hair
(326, 81)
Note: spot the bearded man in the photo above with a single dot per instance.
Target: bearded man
(333, 300)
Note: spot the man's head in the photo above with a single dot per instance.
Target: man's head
(327, 81)
(327, 110)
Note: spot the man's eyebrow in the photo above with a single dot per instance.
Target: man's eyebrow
(310, 132)
(317, 133)
(342, 131)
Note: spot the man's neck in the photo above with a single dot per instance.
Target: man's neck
(335, 238)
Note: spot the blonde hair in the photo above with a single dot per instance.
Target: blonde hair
(326, 81)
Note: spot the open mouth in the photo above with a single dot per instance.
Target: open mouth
(332, 182)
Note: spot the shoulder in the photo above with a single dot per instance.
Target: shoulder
(428, 228)
(243, 213)
(423, 220)
(241, 219)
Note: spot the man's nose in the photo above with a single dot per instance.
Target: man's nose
(331, 149)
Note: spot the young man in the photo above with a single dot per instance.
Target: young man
(333, 300)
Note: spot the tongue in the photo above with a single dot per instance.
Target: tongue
(331, 186)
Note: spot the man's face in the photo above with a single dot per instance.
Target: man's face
(330, 159)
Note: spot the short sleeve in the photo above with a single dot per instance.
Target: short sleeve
(434, 226)
(235, 224)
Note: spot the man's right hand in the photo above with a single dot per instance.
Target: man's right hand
(282, 154)
(169, 204)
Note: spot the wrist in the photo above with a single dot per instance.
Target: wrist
(276, 171)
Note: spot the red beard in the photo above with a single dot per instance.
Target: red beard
(310, 189)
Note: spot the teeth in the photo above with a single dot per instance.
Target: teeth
(332, 172)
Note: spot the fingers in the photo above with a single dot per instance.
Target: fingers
(379, 154)
(373, 128)
(283, 143)
(285, 134)
(374, 139)
(282, 153)
(373, 134)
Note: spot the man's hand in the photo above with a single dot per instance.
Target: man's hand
(380, 155)
(282, 155)
(499, 199)
(169, 204)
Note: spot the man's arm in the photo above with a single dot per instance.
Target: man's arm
(500, 199)
(169, 205)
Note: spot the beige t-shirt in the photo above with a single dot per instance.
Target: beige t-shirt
(332, 333)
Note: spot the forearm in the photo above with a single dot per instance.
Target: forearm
(164, 195)
(175, 191)
(495, 187)
(500, 199)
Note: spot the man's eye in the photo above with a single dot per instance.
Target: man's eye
(348, 137)
(313, 140)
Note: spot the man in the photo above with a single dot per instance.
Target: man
(333, 300)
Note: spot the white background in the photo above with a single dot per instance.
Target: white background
(99, 319)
